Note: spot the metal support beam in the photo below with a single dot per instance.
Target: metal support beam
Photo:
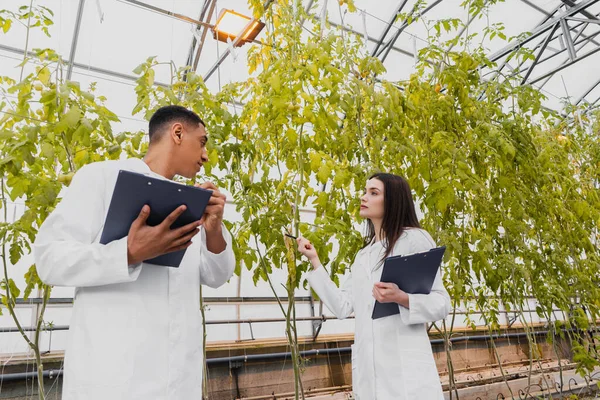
(536, 7)
(584, 95)
(213, 5)
(585, 41)
(542, 29)
(392, 42)
(566, 34)
(579, 33)
(571, 3)
(547, 17)
(75, 39)
(539, 55)
(568, 64)
(103, 71)
(389, 26)
(584, 20)
(369, 38)
(114, 74)
(592, 105)
(166, 12)
(583, 44)
(577, 45)
(190, 57)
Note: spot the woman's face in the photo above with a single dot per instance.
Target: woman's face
(371, 203)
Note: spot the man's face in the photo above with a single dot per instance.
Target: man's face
(192, 154)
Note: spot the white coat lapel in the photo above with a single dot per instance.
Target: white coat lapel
(376, 252)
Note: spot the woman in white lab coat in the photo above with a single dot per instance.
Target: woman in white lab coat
(391, 356)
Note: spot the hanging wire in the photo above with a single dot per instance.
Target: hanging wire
(172, 39)
(365, 34)
(239, 292)
(415, 52)
(392, 25)
(234, 54)
(323, 17)
(99, 10)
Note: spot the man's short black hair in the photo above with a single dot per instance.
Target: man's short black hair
(168, 115)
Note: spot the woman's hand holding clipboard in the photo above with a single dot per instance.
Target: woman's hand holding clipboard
(413, 274)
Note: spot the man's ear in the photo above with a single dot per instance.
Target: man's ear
(177, 132)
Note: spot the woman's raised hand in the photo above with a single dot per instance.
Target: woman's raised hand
(308, 250)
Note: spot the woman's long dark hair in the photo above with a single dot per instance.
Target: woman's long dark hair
(398, 212)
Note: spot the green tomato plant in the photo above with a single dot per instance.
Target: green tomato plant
(509, 187)
(49, 128)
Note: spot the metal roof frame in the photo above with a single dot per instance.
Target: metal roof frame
(564, 30)
(385, 50)
(561, 25)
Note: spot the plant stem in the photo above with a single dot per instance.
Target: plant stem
(292, 343)
(40, 366)
(26, 41)
(10, 303)
(450, 366)
(512, 395)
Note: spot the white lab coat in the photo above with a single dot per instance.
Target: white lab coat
(135, 332)
(391, 356)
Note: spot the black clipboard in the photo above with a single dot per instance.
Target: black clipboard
(133, 190)
(413, 274)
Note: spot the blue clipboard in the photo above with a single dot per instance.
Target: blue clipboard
(413, 274)
(133, 190)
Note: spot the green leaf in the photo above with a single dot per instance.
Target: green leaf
(44, 75)
(69, 120)
(82, 157)
(6, 160)
(7, 25)
(275, 83)
(139, 69)
(48, 96)
(47, 150)
(12, 288)
(15, 251)
(324, 172)
(315, 161)
(32, 280)
(135, 141)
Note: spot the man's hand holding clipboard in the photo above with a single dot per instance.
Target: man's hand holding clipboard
(171, 215)
(146, 242)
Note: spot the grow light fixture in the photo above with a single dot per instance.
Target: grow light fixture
(230, 24)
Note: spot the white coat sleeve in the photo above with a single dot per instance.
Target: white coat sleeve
(216, 269)
(64, 249)
(425, 308)
(338, 300)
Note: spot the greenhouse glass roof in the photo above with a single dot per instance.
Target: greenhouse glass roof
(104, 40)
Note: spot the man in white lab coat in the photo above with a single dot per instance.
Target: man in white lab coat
(136, 328)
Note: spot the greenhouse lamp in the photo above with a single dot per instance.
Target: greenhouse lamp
(230, 24)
